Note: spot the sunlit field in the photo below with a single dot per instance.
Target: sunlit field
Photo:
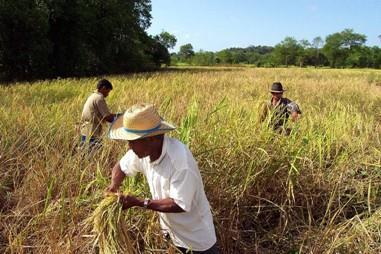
(315, 191)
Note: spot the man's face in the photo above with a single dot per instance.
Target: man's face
(104, 91)
(277, 96)
(141, 147)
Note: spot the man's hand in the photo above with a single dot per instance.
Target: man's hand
(117, 177)
(111, 188)
(294, 116)
(129, 201)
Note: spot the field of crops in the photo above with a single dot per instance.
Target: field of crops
(315, 191)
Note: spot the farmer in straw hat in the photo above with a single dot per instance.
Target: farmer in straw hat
(95, 112)
(173, 177)
(279, 109)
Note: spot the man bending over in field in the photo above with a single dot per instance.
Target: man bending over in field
(279, 109)
(173, 177)
(95, 111)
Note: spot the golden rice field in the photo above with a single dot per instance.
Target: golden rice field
(315, 191)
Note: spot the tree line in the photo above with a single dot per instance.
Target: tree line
(345, 49)
(61, 38)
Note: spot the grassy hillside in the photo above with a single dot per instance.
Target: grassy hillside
(315, 191)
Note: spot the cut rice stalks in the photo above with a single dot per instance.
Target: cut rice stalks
(110, 226)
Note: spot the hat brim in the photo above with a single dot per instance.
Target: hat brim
(118, 132)
(274, 91)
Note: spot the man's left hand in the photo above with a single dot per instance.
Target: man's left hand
(128, 201)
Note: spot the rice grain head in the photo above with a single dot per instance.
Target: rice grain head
(110, 226)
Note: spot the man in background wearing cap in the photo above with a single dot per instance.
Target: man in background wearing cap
(279, 109)
(95, 111)
(173, 177)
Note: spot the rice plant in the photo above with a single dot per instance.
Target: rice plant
(111, 227)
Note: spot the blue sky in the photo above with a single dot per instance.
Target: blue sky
(217, 24)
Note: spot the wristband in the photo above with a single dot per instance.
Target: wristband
(146, 202)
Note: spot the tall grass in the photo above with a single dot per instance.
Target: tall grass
(315, 191)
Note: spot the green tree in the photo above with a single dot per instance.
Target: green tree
(163, 42)
(175, 59)
(376, 55)
(114, 31)
(75, 37)
(203, 58)
(24, 47)
(166, 39)
(224, 57)
(317, 43)
(253, 58)
(339, 46)
(303, 51)
(186, 52)
(287, 52)
(239, 56)
(160, 54)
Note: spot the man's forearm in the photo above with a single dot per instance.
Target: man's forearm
(167, 205)
(117, 177)
(110, 118)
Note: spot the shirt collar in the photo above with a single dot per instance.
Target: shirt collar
(163, 152)
(277, 104)
(96, 91)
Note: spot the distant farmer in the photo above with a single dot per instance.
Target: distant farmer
(279, 109)
(173, 177)
(95, 112)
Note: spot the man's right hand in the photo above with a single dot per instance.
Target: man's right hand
(116, 179)
(111, 189)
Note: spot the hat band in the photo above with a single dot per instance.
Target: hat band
(143, 131)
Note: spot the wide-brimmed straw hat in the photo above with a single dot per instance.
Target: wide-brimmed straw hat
(139, 121)
(277, 88)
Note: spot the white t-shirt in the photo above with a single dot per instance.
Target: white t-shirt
(175, 175)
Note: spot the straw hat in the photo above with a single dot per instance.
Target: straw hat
(139, 121)
(277, 88)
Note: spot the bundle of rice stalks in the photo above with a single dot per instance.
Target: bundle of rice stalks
(110, 226)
